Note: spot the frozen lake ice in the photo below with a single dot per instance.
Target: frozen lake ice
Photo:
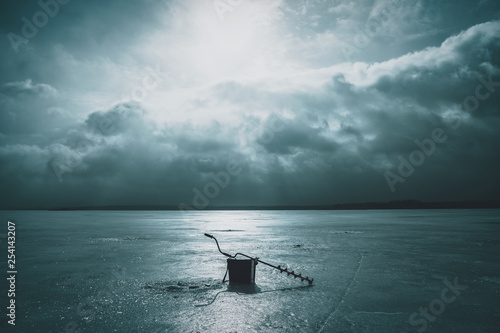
(154, 271)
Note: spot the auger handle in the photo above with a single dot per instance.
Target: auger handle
(215, 239)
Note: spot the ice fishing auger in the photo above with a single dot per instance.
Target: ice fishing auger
(243, 270)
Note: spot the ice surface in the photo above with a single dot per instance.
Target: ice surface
(154, 271)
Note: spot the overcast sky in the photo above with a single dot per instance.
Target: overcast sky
(249, 102)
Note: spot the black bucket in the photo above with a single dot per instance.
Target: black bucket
(241, 270)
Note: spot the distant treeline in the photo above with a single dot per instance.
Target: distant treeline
(400, 204)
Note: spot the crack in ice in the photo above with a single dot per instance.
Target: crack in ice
(343, 295)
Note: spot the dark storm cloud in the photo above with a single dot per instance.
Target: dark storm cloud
(376, 30)
(454, 74)
(116, 150)
(97, 24)
(405, 100)
(121, 119)
(296, 135)
(298, 140)
(72, 48)
(28, 108)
